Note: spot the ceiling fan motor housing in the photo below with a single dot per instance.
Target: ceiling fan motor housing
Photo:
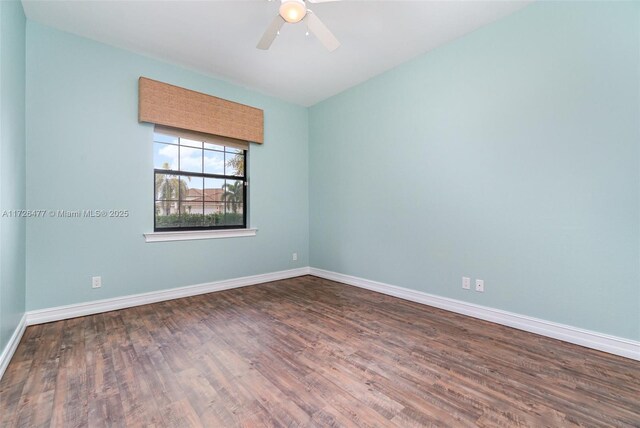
(293, 10)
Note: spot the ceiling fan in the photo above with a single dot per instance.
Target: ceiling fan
(294, 11)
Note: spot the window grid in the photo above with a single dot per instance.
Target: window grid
(225, 206)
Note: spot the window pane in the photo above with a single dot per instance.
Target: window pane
(233, 192)
(234, 164)
(167, 214)
(181, 186)
(213, 189)
(191, 214)
(190, 159)
(213, 217)
(232, 150)
(165, 156)
(234, 214)
(190, 143)
(213, 162)
(166, 188)
(192, 188)
(233, 197)
(162, 138)
(213, 204)
(213, 147)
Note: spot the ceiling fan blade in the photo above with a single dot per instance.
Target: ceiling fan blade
(271, 33)
(321, 31)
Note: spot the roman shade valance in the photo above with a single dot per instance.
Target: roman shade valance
(175, 107)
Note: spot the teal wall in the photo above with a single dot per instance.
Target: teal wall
(12, 167)
(511, 155)
(86, 150)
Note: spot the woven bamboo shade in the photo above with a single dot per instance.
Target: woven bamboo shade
(176, 107)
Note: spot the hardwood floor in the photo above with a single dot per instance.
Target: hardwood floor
(307, 352)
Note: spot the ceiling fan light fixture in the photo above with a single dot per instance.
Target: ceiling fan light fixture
(293, 10)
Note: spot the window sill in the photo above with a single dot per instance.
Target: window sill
(198, 234)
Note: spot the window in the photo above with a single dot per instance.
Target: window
(200, 182)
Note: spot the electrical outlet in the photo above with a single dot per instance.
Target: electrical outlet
(294, 257)
(466, 283)
(480, 285)
(96, 282)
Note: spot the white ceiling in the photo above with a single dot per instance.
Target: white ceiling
(219, 37)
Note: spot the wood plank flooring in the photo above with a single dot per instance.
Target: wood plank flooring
(307, 352)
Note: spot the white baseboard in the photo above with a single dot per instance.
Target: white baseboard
(12, 345)
(41, 316)
(590, 339)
